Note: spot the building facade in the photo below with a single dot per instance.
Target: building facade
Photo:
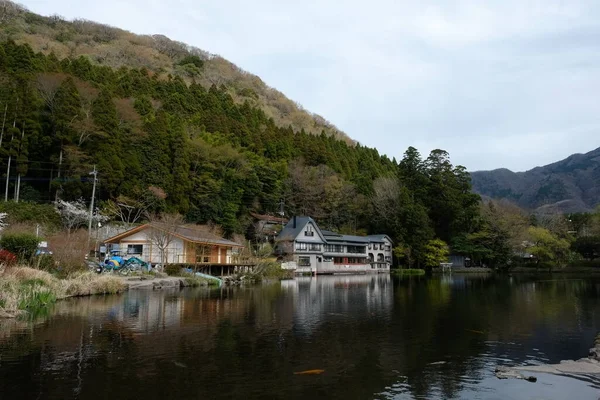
(307, 249)
(184, 244)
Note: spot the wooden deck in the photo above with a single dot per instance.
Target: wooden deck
(221, 269)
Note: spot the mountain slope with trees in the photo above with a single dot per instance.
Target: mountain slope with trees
(160, 56)
(162, 141)
(569, 185)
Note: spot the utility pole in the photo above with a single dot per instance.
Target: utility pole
(94, 173)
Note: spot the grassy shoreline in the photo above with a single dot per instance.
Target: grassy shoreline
(408, 272)
(26, 290)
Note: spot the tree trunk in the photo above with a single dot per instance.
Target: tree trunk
(8, 166)
(60, 158)
(18, 188)
(3, 122)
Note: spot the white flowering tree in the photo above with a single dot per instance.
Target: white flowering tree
(75, 214)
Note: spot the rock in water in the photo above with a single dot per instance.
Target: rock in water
(503, 372)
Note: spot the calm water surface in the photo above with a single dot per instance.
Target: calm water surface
(375, 337)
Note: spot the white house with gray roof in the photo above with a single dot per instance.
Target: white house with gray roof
(324, 252)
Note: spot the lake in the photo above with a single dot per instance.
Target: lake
(375, 337)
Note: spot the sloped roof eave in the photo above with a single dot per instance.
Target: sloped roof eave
(140, 228)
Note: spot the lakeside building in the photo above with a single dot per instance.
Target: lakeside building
(183, 244)
(307, 249)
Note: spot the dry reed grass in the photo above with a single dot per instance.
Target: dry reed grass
(24, 288)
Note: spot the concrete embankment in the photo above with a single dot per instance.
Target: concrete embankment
(133, 283)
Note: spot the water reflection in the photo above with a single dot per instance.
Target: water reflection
(373, 335)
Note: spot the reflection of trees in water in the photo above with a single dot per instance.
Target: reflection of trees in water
(460, 321)
(368, 332)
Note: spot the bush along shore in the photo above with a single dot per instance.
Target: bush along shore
(27, 290)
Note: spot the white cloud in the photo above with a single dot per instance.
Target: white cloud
(497, 83)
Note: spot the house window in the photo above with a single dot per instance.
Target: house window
(301, 246)
(308, 246)
(304, 261)
(135, 249)
(379, 257)
(357, 249)
(381, 246)
(334, 248)
(388, 247)
(309, 231)
(370, 246)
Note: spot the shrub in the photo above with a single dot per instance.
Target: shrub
(173, 269)
(7, 258)
(69, 251)
(23, 245)
(44, 262)
(408, 271)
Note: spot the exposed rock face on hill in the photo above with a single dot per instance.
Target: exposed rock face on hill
(115, 48)
(570, 185)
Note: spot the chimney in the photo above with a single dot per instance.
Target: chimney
(294, 222)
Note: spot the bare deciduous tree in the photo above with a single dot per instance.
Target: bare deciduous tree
(386, 195)
(131, 210)
(162, 233)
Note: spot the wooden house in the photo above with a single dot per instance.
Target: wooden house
(182, 244)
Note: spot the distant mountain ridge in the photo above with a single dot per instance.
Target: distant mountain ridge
(569, 185)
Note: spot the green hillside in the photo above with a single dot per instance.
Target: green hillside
(160, 133)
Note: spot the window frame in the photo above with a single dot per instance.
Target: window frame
(133, 246)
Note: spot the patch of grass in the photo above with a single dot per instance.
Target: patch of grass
(195, 281)
(32, 290)
(408, 272)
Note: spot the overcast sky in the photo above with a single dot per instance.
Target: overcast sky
(502, 83)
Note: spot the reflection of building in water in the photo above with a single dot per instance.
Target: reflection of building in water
(146, 314)
(317, 299)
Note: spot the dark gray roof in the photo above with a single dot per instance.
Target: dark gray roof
(378, 238)
(290, 232)
(348, 239)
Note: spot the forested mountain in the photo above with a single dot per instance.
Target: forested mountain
(163, 140)
(570, 185)
(160, 56)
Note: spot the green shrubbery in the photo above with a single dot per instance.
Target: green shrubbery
(23, 245)
(173, 269)
(408, 271)
(24, 212)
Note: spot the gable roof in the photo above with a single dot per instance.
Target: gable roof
(379, 238)
(290, 232)
(192, 233)
(294, 227)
